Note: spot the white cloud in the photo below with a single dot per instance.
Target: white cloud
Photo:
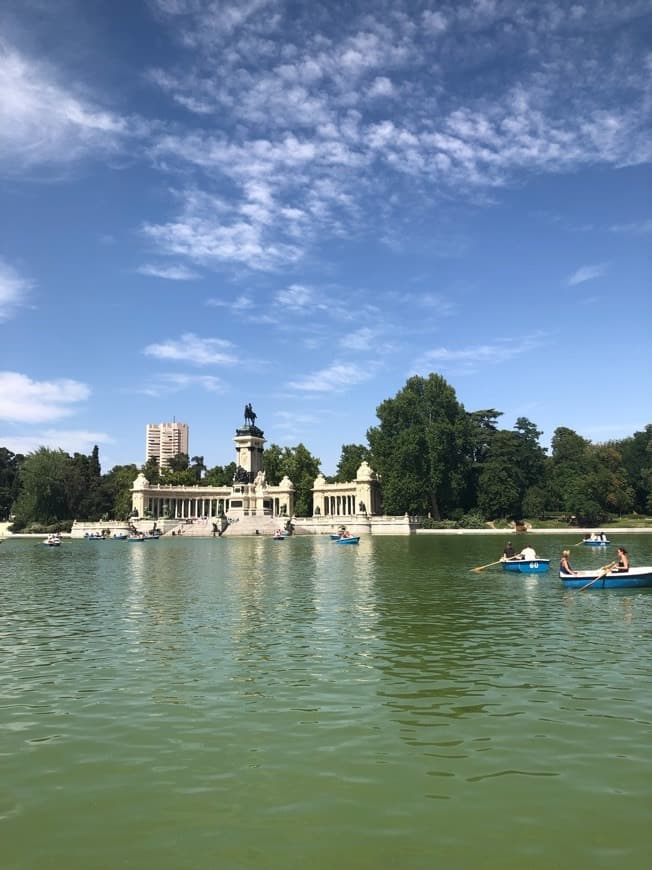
(586, 273)
(361, 339)
(165, 384)
(338, 376)
(191, 348)
(23, 400)
(42, 121)
(295, 296)
(638, 228)
(467, 360)
(71, 441)
(169, 273)
(13, 290)
(241, 304)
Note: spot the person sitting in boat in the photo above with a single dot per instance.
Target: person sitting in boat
(623, 561)
(564, 565)
(345, 534)
(528, 553)
(509, 552)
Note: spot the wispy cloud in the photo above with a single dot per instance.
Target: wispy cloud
(586, 273)
(169, 273)
(467, 360)
(190, 348)
(241, 304)
(13, 290)
(164, 384)
(361, 339)
(337, 376)
(23, 400)
(637, 228)
(43, 122)
(296, 296)
(320, 127)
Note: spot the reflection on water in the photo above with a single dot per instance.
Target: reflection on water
(249, 703)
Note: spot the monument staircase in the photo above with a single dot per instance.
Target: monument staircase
(239, 527)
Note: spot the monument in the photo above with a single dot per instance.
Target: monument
(248, 496)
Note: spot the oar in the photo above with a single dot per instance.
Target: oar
(482, 567)
(603, 573)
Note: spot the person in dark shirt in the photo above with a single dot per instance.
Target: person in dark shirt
(509, 552)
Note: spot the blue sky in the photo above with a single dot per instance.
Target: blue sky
(300, 205)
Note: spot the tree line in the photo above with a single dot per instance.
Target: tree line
(434, 459)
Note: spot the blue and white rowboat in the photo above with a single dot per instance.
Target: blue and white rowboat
(635, 578)
(524, 566)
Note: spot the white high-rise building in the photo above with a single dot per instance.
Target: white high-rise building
(165, 440)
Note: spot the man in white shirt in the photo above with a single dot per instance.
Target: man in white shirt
(528, 553)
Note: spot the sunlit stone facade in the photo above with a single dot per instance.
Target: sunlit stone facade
(361, 497)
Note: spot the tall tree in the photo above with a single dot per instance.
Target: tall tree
(198, 467)
(220, 475)
(420, 447)
(351, 458)
(9, 480)
(43, 497)
(300, 466)
(180, 462)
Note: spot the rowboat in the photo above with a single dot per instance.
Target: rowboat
(350, 540)
(52, 541)
(597, 543)
(523, 566)
(335, 537)
(635, 578)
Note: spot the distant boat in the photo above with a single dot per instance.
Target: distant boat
(349, 540)
(335, 537)
(120, 537)
(136, 539)
(596, 542)
(52, 541)
(94, 536)
(525, 566)
(635, 578)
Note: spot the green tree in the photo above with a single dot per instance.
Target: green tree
(116, 490)
(421, 448)
(152, 471)
(273, 464)
(300, 466)
(351, 458)
(499, 484)
(180, 462)
(43, 497)
(9, 480)
(636, 453)
(220, 475)
(198, 467)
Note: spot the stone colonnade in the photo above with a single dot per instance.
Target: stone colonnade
(359, 497)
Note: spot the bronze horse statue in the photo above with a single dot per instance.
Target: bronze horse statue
(249, 415)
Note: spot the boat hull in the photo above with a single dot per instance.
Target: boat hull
(596, 543)
(348, 541)
(635, 578)
(522, 566)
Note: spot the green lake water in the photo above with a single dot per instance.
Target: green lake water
(243, 703)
